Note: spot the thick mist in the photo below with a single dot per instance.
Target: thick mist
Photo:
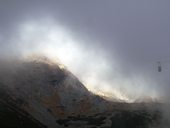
(112, 47)
(90, 63)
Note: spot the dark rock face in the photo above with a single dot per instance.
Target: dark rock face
(11, 117)
(118, 119)
(135, 119)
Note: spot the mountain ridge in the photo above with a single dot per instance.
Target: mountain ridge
(55, 97)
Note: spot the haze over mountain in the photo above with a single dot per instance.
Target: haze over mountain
(117, 50)
(120, 42)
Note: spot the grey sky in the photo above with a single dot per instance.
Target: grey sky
(135, 32)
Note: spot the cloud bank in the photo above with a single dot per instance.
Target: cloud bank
(112, 47)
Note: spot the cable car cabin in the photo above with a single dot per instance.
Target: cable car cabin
(159, 67)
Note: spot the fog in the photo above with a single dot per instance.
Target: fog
(112, 47)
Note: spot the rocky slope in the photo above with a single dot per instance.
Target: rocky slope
(50, 96)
